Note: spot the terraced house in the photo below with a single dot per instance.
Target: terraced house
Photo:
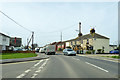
(90, 42)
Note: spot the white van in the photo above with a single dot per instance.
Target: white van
(50, 49)
(42, 50)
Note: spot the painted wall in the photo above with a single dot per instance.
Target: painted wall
(4, 41)
(99, 43)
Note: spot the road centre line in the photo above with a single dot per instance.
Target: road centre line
(96, 66)
(34, 75)
(39, 69)
(23, 74)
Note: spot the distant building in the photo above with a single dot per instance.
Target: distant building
(16, 42)
(112, 47)
(89, 41)
(4, 42)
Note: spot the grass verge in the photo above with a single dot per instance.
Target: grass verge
(17, 55)
(117, 57)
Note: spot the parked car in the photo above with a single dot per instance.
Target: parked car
(69, 52)
(36, 49)
(114, 51)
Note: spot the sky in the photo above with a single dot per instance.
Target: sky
(49, 19)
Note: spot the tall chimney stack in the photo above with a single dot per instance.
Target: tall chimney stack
(80, 34)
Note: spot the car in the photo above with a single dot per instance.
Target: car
(69, 52)
(114, 51)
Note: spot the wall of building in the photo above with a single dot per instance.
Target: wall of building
(0, 48)
(67, 44)
(99, 43)
(112, 48)
(0, 39)
(4, 41)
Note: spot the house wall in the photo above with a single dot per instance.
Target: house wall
(0, 48)
(67, 44)
(4, 41)
(99, 43)
(112, 48)
(0, 39)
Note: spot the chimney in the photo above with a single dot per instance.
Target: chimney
(80, 34)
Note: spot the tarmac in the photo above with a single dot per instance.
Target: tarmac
(39, 57)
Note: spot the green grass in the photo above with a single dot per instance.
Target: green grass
(17, 55)
(117, 57)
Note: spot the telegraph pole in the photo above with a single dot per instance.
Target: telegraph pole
(61, 36)
(32, 40)
(80, 34)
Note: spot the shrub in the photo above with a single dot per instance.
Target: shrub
(99, 50)
(88, 52)
(93, 51)
(60, 49)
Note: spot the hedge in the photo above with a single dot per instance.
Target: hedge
(18, 51)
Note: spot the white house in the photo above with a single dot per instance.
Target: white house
(95, 41)
(4, 41)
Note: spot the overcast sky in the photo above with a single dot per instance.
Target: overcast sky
(48, 19)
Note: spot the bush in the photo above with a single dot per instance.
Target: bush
(99, 50)
(93, 51)
(88, 52)
(60, 49)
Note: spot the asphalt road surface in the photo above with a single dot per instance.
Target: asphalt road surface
(61, 66)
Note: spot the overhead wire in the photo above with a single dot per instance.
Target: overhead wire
(14, 21)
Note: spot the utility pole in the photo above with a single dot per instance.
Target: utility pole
(61, 36)
(32, 40)
(80, 34)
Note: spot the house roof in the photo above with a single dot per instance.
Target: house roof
(87, 36)
(113, 45)
(4, 35)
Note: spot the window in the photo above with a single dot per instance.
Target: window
(75, 42)
(71, 42)
(4, 38)
(81, 41)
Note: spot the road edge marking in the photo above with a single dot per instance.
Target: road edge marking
(96, 66)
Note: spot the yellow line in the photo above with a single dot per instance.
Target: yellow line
(20, 62)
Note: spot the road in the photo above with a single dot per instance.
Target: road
(60, 66)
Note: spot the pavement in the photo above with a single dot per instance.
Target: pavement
(61, 66)
(39, 57)
(101, 57)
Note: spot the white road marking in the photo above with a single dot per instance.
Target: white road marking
(20, 76)
(38, 63)
(27, 71)
(39, 69)
(97, 67)
(23, 74)
(34, 75)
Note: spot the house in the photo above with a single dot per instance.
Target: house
(89, 42)
(112, 47)
(15, 41)
(56, 44)
(4, 42)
